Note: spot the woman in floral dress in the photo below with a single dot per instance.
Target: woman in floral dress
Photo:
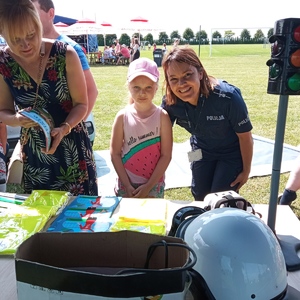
(38, 73)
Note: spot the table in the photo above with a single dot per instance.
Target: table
(286, 224)
(92, 57)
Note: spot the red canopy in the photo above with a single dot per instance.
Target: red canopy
(61, 24)
(106, 24)
(139, 19)
(86, 20)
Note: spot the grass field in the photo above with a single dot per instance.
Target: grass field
(241, 65)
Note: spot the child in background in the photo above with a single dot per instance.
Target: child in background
(141, 141)
(164, 49)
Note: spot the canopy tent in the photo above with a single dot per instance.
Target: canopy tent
(66, 20)
(90, 38)
(90, 29)
(140, 24)
(107, 27)
(61, 27)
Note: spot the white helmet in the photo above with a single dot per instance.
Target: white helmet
(238, 255)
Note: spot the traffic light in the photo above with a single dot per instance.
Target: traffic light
(284, 65)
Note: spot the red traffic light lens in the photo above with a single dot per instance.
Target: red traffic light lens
(295, 58)
(294, 82)
(277, 47)
(296, 34)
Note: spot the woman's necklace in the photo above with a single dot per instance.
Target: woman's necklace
(24, 137)
(39, 78)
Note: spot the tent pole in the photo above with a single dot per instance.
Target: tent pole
(87, 43)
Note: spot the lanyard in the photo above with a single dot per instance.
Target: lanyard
(198, 108)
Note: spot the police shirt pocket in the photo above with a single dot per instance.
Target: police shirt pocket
(215, 131)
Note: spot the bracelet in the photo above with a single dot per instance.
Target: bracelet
(66, 123)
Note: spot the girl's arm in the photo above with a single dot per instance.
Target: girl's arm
(116, 143)
(165, 157)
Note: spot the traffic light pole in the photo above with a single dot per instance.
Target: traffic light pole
(284, 80)
(277, 156)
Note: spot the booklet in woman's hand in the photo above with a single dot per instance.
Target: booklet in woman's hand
(45, 121)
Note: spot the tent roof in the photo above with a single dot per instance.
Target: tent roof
(65, 20)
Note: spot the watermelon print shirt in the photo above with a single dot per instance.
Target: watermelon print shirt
(141, 146)
(72, 167)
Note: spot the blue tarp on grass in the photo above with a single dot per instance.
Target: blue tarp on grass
(179, 173)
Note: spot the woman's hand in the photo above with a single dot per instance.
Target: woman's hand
(57, 135)
(241, 179)
(24, 121)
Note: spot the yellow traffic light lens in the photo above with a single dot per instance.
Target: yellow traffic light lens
(295, 58)
(294, 82)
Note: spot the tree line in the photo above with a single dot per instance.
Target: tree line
(190, 37)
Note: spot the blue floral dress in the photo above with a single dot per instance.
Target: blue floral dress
(72, 167)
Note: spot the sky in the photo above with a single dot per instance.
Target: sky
(168, 15)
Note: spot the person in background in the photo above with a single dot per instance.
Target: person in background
(47, 13)
(45, 74)
(215, 114)
(141, 140)
(117, 48)
(125, 54)
(132, 41)
(292, 186)
(136, 49)
(154, 47)
(176, 42)
(130, 51)
(105, 56)
(164, 49)
(112, 53)
(99, 56)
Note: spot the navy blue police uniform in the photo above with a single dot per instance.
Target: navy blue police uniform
(213, 125)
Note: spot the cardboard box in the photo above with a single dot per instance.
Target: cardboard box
(53, 265)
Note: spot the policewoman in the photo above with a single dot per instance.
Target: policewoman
(215, 114)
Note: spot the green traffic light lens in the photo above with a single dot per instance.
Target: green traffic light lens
(274, 71)
(294, 82)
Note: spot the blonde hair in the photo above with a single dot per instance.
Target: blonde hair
(17, 17)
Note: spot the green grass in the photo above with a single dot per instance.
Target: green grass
(241, 65)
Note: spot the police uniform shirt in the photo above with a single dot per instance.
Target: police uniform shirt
(214, 122)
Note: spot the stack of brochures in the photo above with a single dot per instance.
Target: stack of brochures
(44, 120)
(23, 216)
(143, 215)
(86, 214)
